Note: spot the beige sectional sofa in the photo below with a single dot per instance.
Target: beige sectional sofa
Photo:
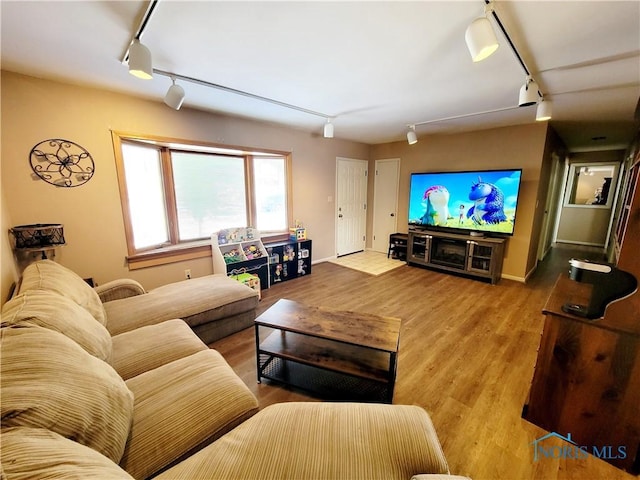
(213, 306)
(82, 397)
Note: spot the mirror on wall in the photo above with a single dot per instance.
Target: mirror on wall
(591, 184)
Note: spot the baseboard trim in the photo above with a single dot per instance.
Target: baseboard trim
(322, 260)
(586, 244)
(514, 278)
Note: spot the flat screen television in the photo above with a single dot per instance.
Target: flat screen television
(479, 201)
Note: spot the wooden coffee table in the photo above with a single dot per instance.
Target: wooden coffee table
(339, 355)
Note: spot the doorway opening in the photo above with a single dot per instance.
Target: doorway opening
(588, 203)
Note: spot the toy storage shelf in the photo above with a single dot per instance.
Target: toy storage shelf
(240, 251)
(243, 252)
(288, 260)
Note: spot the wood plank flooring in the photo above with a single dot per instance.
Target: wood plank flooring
(467, 354)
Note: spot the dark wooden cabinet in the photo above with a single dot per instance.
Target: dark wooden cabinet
(586, 383)
(586, 380)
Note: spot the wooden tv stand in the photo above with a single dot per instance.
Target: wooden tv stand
(465, 254)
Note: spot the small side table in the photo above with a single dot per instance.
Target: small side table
(398, 246)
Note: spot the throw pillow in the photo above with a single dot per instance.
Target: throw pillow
(55, 312)
(29, 453)
(48, 381)
(49, 275)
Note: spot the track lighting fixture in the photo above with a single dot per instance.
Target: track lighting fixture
(328, 129)
(174, 96)
(412, 138)
(138, 58)
(140, 61)
(179, 95)
(528, 93)
(544, 110)
(480, 37)
(481, 42)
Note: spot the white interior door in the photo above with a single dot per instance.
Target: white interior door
(351, 205)
(385, 203)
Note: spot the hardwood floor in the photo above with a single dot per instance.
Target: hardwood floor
(467, 354)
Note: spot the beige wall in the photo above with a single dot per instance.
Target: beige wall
(34, 110)
(7, 265)
(520, 146)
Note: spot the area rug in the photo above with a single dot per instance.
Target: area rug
(370, 262)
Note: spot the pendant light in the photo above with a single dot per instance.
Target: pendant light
(328, 129)
(480, 37)
(543, 112)
(412, 138)
(528, 93)
(140, 61)
(174, 96)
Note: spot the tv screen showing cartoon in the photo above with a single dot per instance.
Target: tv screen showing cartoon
(484, 201)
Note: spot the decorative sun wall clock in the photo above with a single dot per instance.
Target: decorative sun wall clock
(62, 163)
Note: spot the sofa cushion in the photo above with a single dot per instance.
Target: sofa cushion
(49, 275)
(29, 453)
(48, 381)
(196, 301)
(53, 311)
(182, 406)
(149, 347)
(321, 440)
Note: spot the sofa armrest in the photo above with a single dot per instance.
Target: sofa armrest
(117, 289)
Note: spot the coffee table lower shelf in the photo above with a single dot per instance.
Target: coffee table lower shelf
(327, 384)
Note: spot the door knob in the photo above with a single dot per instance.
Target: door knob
(392, 214)
(340, 216)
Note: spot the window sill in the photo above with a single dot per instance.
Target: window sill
(165, 255)
(183, 252)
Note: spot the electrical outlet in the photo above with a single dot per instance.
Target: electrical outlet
(187, 274)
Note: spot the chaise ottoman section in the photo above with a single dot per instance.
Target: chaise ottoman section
(322, 440)
(181, 407)
(214, 306)
(146, 348)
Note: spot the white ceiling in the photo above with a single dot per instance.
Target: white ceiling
(374, 66)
